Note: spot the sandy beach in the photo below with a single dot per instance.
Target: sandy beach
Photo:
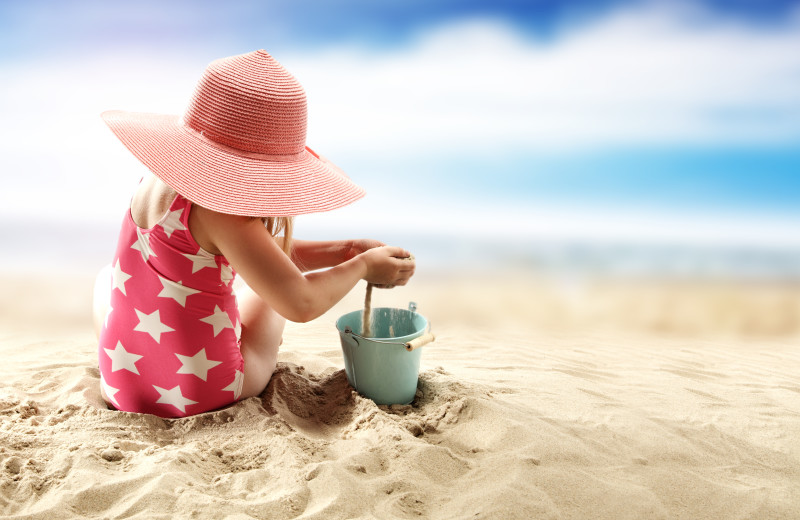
(571, 400)
(602, 198)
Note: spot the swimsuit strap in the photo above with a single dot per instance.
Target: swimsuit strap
(181, 203)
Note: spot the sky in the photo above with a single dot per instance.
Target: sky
(525, 120)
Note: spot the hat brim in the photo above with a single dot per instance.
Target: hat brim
(221, 179)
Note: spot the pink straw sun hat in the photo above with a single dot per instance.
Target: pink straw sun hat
(240, 146)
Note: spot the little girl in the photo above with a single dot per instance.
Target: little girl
(174, 338)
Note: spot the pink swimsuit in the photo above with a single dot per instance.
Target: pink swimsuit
(170, 343)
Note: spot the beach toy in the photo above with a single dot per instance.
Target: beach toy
(385, 366)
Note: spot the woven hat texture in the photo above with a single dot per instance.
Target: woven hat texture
(240, 146)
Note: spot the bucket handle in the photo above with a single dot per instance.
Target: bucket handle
(415, 343)
(426, 338)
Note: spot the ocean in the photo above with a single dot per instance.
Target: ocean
(62, 247)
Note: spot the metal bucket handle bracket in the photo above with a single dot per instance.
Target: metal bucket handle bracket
(348, 330)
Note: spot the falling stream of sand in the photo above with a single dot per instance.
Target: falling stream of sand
(366, 315)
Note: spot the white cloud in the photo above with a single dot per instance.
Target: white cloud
(656, 74)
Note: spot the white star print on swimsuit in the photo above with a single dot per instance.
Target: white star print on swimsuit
(121, 359)
(198, 364)
(236, 385)
(176, 291)
(173, 222)
(220, 320)
(119, 277)
(227, 274)
(173, 396)
(142, 245)
(109, 390)
(151, 324)
(200, 261)
(171, 345)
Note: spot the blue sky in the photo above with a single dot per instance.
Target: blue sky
(35, 25)
(657, 107)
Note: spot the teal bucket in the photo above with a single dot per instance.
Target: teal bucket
(384, 367)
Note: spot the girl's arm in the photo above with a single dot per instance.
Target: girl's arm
(256, 256)
(309, 255)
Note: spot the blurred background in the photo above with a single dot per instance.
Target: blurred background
(562, 141)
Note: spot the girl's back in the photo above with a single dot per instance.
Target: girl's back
(170, 344)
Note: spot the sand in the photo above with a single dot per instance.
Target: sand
(543, 400)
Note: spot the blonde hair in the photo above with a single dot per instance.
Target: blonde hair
(276, 225)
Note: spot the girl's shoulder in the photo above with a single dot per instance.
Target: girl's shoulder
(203, 225)
(151, 201)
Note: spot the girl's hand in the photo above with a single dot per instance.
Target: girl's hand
(356, 247)
(388, 266)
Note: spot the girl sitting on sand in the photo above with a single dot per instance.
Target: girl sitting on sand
(174, 338)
